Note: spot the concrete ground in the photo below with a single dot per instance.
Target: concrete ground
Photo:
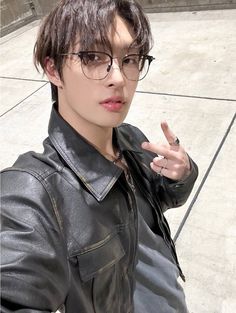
(192, 85)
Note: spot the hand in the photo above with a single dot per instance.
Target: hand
(172, 160)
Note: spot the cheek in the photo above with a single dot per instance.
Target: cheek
(76, 85)
(73, 75)
(132, 88)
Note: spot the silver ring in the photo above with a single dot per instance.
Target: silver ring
(175, 142)
(159, 173)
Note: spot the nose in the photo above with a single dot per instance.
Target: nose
(115, 76)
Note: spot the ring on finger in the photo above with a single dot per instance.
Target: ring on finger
(165, 166)
(176, 142)
(159, 173)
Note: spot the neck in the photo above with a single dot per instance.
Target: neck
(101, 139)
(98, 136)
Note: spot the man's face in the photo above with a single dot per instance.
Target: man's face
(85, 103)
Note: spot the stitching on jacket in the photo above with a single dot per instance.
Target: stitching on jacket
(45, 186)
(90, 187)
(71, 163)
(119, 228)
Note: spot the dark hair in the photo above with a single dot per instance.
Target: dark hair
(88, 20)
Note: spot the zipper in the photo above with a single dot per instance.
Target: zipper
(168, 241)
(133, 209)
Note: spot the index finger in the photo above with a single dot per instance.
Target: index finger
(170, 136)
(160, 150)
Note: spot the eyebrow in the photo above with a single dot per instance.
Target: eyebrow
(125, 48)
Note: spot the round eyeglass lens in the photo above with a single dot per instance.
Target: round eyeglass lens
(96, 65)
(135, 67)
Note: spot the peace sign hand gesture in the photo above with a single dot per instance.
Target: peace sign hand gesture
(172, 160)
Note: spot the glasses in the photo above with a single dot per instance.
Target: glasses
(97, 65)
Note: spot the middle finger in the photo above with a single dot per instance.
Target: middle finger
(161, 161)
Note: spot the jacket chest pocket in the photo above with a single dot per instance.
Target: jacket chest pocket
(100, 265)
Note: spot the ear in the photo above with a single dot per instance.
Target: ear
(52, 72)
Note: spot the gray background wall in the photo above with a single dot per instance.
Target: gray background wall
(186, 5)
(16, 13)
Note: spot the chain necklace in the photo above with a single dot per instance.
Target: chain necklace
(116, 158)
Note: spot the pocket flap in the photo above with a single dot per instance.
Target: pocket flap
(100, 258)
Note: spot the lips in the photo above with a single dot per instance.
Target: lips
(113, 104)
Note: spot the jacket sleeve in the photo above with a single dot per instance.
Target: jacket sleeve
(34, 270)
(175, 193)
(170, 193)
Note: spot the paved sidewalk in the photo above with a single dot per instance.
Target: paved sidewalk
(192, 86)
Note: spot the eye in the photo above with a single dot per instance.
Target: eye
(89, 58)
(133, 59)
(93, 58)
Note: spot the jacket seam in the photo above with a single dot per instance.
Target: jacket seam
(101, 243)
(42, 181)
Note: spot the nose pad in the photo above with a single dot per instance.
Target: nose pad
(115, 77)
(114, 66)
(110, 66)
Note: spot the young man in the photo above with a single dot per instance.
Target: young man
(83, 228)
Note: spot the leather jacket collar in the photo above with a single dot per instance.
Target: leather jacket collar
(95, 171)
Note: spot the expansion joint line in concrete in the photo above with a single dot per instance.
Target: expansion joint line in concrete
(25, 79)
(204, 179)
(23, 100)
(183, 96)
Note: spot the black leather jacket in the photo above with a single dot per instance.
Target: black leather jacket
(69, 223)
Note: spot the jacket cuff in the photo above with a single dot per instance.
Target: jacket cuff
(179, 191)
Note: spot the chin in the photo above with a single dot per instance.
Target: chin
(114, 122)
(118, 122)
